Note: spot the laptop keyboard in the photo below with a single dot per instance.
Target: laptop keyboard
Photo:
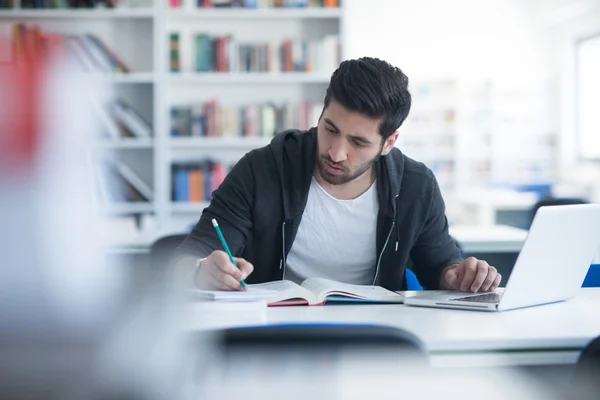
(481, 298)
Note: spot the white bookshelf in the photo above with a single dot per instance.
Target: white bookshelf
(189, 208)
(125, 143)
(233, 78)
(234, 89)
(121, 29)
(108, 14)
(139, 34)
(133, 77)
(219, 143)
(481, 134)
(128, 208)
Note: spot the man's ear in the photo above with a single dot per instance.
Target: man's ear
(389, 143)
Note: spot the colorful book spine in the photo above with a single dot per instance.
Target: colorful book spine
(194, 182)
(210, 119)
(254, 4)
(89, 52)
(174, 56)
(226, 54)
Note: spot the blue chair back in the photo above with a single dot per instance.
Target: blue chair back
(412, 283)
(592, 279)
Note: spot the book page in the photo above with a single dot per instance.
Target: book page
(287, 290)
(325, 287)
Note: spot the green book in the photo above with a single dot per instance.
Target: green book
(174, 59)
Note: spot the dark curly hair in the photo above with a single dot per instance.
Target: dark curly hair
(374, 88)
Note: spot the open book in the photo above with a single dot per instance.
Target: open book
(316, 291)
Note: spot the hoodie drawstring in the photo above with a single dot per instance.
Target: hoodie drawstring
(395, 219)
(389, 235)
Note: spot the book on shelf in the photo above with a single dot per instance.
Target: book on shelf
(174, 54)
(228, 54)
(194, 182)
(253, 4)
(64, 4)
(120, 120)
(313, 291)
(116, 182)
(7, 4)
(87, 50)
(132, 123)
(210, 119)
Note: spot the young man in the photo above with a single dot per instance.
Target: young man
(337, 201)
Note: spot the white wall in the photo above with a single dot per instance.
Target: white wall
(431, 39)
(567, 35)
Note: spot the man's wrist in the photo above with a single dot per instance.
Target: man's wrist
(443, 283)
(187, 268)
(197, 266)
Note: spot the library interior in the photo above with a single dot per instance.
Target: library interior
(300, 198)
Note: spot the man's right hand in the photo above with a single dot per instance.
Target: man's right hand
(218, 273)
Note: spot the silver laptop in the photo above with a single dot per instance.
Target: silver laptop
(551, 266)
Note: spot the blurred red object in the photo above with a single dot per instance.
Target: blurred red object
(21, 94)
(20, 127)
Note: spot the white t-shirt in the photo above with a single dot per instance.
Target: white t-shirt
(336, 239)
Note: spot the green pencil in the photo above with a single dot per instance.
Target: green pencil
(224, 243)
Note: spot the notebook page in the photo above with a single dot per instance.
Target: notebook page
(323, 287)
(286, 290)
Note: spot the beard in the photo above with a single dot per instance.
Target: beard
(346, 176)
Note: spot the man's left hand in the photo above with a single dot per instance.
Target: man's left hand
(472, 275)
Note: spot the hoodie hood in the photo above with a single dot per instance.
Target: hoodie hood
(294, 152)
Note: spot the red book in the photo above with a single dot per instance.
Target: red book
(288, 63)
(218, 176)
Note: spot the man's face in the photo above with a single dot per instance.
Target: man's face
(348, 144)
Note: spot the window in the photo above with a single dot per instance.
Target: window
(588, 97)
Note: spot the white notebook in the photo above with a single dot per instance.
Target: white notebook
(252, 294)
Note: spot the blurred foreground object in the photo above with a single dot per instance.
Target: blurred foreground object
(67, 327)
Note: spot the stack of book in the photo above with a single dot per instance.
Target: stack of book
(116, 182)
(194, 182)
(252, 120)
(89, 51)
(267, 3)
(120, 120)
(227, 54)
(58, 4)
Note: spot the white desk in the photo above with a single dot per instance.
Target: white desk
(489, 239)
(544, 335)
(483, 205)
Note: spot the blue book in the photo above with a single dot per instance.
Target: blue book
(207, 167)
(182, 185)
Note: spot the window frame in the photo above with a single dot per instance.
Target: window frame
(582, 155)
